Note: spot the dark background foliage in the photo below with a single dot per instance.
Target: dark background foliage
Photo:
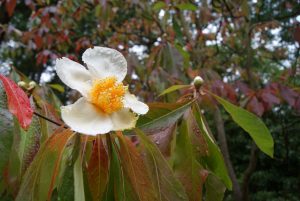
(246, 51)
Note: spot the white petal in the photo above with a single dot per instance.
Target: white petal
(123, 119)
(130, 101)
(74, 75)
(105, 62)
(85, 118)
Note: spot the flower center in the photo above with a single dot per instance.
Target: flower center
(107, 94)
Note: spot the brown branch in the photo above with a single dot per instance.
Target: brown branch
(254, 150)
(249, 171)
(237, 194)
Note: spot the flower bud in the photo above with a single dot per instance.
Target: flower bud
(22, 84)
(198, 81)
(32, 84)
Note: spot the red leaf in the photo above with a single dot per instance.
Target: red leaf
(38, 41)
(244, 88)
(98, 171)
(10, 6)
(163, 139)
(18, 102)
(288, 95)
(255, 106)
(269, 98)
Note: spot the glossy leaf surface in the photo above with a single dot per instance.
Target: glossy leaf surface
(135, 170)
(40, 178)
(214, 160)
(166, 184)
(251, 124)
(97, 169)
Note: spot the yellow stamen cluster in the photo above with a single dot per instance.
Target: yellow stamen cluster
(107, 94)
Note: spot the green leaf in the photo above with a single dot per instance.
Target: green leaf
(187, 6)
(214, 161)
(65, 180)
(173, 88)
(245, 8)
(29, 143)
(6, 135)
(162, 116)
(184, 54)
(251, 124)
(158, 6)
(40, 178)
(186, 167)
(6, 142)
(78, 180)
(118, 187)
(214, 188)
(197, 139)
(171, 59)
(66, 187)
(166, 184)
(179, 35)
(57, 87)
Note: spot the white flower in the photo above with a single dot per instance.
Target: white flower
(105, 105)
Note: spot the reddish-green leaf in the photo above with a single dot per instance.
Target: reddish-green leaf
(186, 166)
(199, 144)
(118, 187)
(18, 102)
(214, 189)
(6, 135)
(164, 138)
(187, 6)
(162, 116)
(40, 178)
(135, 169)
(29, 143)
(78, 180)
(166, 184)
(10, 6)
(214, 160)
(159, 5)
(98, 170)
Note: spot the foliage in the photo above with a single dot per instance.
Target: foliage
(247, 53)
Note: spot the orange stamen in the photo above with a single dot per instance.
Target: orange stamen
(107, 94)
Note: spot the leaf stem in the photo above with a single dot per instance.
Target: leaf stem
(49, 120)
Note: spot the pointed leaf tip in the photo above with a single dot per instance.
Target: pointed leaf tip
(173, 88)
(251, 124)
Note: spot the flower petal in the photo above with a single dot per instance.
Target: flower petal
(105, 62)
(130, 101)
(85, 118)
(74, 75)
(123, 119)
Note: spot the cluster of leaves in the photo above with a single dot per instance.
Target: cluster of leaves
(177, 162)
(178, 43)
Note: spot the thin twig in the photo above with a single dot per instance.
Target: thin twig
(50, 120)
